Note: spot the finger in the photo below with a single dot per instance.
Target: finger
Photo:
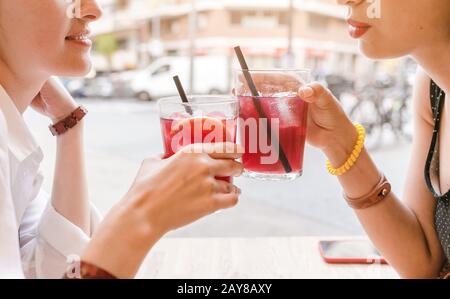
(225, 201)
(225, 150)
(226, 167)
(317, 94)
(223, 187)
(220, 150)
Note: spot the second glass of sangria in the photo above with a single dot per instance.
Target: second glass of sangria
(272, 125)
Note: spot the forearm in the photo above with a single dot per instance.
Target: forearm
(391, 225)
(70, 192)
(123, 240)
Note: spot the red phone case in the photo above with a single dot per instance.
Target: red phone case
(355, 260)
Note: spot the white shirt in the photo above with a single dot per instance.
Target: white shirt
(35, 240)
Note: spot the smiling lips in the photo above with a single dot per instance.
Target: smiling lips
(357, 29)
(80, 38)
(77, 37)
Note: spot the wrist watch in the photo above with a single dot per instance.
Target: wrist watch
(90, 271)
(68, 122)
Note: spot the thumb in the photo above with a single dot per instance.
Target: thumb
(315, 93)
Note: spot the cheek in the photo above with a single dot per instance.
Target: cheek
(38, 43)
(394, 35)
(49, 44)
(59, 56)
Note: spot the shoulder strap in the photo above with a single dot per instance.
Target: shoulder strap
(437, 102)
(437, 96)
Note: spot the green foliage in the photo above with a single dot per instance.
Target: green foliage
(106, 44)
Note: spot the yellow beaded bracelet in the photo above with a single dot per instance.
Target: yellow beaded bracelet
(354, 155)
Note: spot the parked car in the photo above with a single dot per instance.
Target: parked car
(102, 86)
(211, 76)
(99, 87)
(75, 86)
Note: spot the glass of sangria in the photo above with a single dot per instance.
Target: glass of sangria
(205, 119)
(272, 125)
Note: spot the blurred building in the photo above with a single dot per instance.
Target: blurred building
(147, 29)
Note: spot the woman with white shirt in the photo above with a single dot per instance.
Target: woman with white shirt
(39, 231)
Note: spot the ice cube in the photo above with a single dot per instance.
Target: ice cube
(284, 94)
(291, 110)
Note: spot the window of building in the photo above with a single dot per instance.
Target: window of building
(258, 19)
(283, 18)
(122, 43)
(173, 52)
(318, 22)
(170, 26)
(236, 17)
(202, 21)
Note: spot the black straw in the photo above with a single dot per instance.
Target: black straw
(259, 109)
(182, 94)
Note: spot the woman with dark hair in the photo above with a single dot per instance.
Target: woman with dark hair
(413, 234)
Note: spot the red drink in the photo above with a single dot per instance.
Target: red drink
(287, 117)
(180, 131)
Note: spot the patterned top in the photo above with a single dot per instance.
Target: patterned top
(442, 214)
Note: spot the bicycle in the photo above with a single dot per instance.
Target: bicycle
(379, 105)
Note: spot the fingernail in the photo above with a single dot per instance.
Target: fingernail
(238, 190)
(306, 92)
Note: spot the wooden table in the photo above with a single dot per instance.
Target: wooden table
(259, 258)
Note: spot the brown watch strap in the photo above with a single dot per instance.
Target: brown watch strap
(90, 271)
(377, 194)
(69, 122)
(445, 272)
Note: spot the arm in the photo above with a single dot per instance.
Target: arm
(166, 194)
(415, 216)
(403, 231)
(70, 193)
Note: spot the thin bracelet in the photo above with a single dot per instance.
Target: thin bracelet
(353, 156)
(380, 192)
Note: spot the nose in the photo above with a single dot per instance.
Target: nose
(349, 2)
(90, 10)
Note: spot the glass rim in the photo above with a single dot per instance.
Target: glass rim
(219, 100)
(275, 70)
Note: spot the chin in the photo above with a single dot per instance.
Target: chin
(380, 51)
(74, 69)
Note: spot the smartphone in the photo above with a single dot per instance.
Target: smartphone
(350, 252)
